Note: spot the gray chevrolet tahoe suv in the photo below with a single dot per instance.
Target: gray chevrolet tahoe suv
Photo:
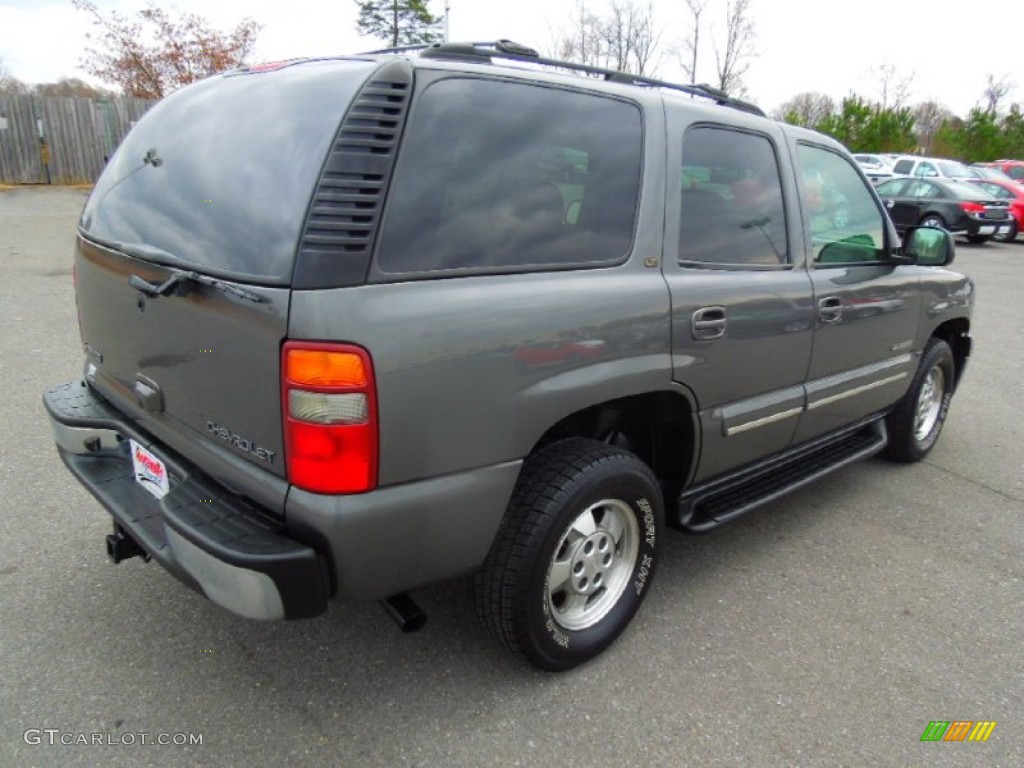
(354, 326)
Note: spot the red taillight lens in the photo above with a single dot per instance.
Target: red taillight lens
(329, 399)
(973, 207)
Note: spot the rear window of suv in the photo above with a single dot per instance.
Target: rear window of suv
(218, 176)
(496, 175)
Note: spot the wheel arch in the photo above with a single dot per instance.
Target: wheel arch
(933, 214)
(956, 333)
(660, 427)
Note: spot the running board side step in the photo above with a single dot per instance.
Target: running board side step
(709, 505)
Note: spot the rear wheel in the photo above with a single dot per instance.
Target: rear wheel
(916, 422)
(978, 239)
(933, 220)
(1010, 235)
(575, 555)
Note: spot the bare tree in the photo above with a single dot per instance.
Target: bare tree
(9, 84)
(733, 60)
(688, 49)
(626, 38)
(630, 37)
(808, 109)
(928, 118)
(583, 42)
(893, 89)
(996, 91)
(72, 86)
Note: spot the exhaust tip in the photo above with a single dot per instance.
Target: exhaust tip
(406, 613)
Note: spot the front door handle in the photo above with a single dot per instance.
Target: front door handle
(708, 323)
(830, 310)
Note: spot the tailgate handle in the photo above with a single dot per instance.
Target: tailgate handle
(148, 394)
(152, 290)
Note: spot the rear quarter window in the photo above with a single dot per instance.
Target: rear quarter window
(496, 175)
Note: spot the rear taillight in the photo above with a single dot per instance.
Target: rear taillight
(330, 417)
(973, 207)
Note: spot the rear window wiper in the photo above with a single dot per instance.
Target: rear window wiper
(179, 276)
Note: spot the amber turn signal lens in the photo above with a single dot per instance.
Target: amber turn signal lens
(322, 368)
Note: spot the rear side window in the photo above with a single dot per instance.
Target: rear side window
(731, 211)
(498, 175)
(923, 189)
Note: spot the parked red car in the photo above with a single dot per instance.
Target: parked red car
(1013, 193)
(1012, 168)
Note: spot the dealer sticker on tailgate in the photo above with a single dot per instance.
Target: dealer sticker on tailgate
(150, 472)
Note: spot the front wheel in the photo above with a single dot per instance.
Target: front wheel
(914, 425)
(575, 556)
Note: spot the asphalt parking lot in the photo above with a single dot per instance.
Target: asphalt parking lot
(826, 630)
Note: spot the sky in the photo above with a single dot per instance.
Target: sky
(801, 45)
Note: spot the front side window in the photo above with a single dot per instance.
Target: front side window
(496, 175)
(893, 188)
(846, 226)
(925, 169)
(732, 211)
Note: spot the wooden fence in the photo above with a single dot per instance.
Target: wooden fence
(57, 140)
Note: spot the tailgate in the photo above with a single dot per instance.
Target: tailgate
(185, 257)
(198, 364)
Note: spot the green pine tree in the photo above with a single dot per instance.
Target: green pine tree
(399, 22)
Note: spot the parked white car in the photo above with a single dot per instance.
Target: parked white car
(931, 167)
(874, 166)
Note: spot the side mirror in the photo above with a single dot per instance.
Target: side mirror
(928, 246)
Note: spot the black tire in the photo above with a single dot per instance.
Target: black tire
(914, 425)
(1010, 236)
(978, 239)
(934, 220)
(588, 512)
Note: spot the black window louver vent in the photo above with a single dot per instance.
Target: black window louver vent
(344, 215)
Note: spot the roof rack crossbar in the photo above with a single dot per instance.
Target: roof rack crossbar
(506, 49)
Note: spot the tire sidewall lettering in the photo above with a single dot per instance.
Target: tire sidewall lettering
(645, 512)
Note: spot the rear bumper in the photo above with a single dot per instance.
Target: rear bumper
(989, 227)
(216, 542)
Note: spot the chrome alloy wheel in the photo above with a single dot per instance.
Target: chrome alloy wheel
(929, 403)
(592, 564)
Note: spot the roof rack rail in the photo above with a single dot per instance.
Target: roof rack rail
(507, 49)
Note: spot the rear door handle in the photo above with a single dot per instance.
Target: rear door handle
(708, 323)
(830, 310)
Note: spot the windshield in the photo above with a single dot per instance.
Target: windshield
(217, 177)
